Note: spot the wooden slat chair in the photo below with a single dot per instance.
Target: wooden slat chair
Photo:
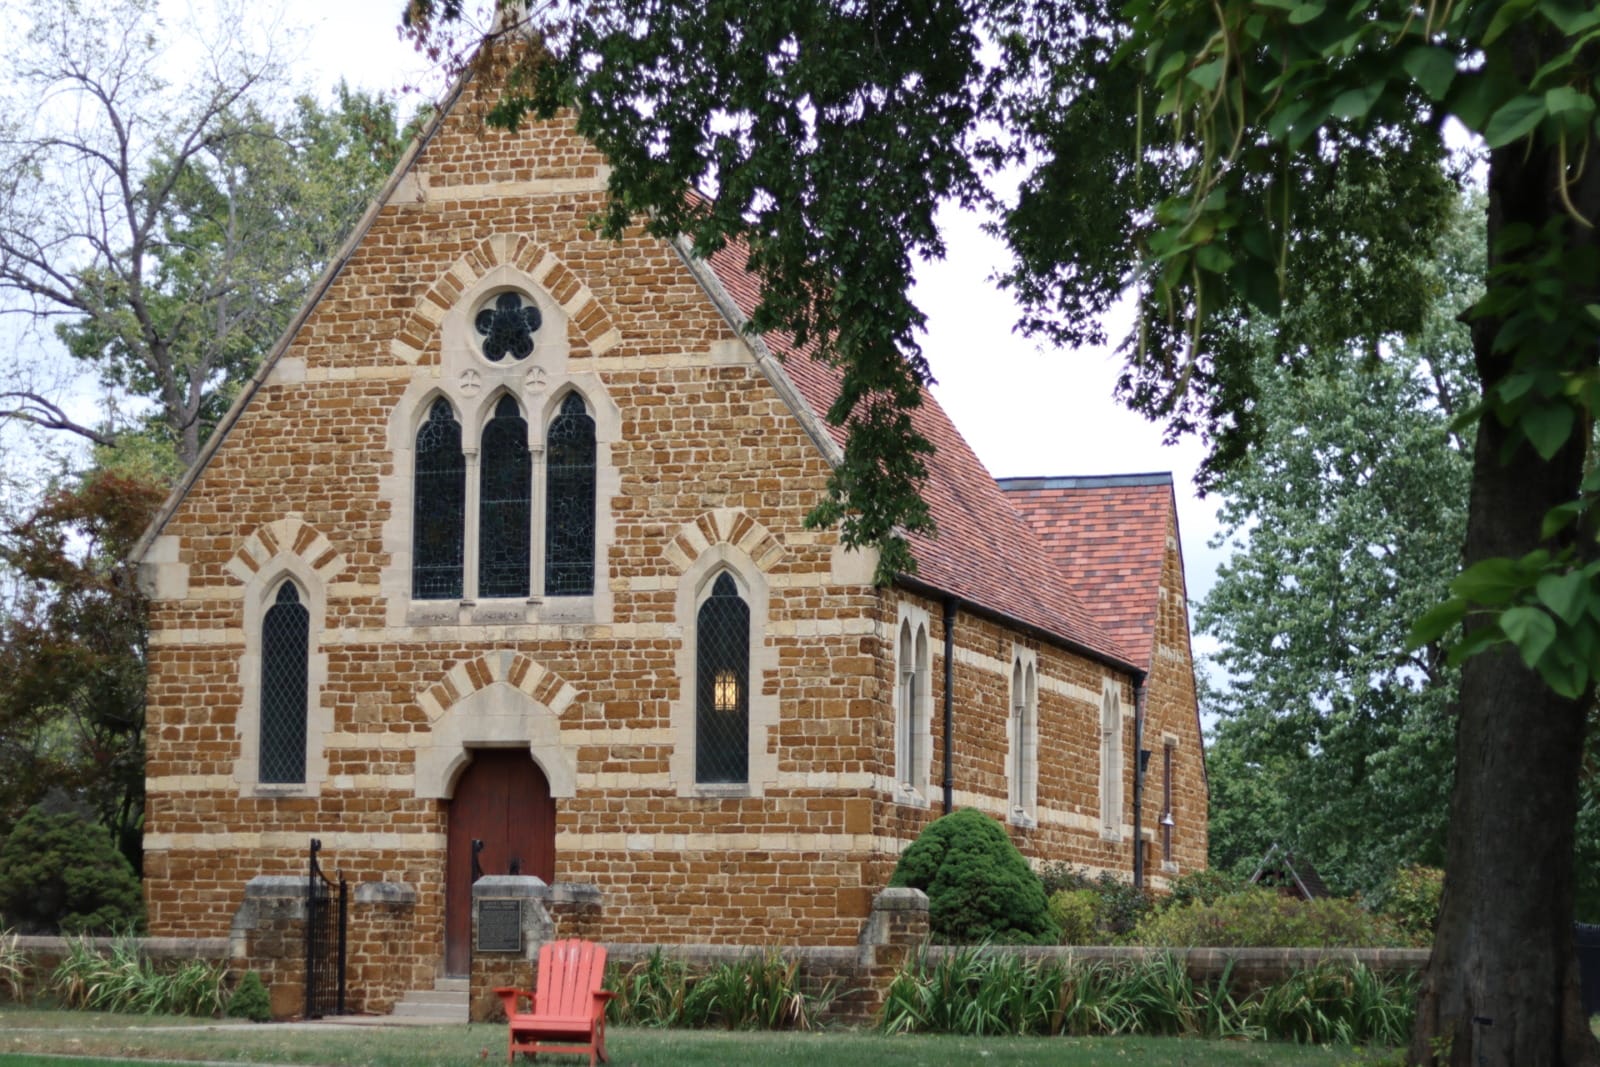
(568, 1009)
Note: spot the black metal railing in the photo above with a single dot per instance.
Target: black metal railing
(325, 940)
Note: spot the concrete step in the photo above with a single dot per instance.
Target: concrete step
(446, 1002)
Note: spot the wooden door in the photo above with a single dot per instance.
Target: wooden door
(502, 799)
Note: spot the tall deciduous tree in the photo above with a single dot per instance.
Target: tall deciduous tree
(1224, 157)
(169, 231)
(72, 654)
(1347, 517)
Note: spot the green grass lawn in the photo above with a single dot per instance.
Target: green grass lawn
(136, 1037)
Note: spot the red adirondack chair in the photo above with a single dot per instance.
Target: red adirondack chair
(568, 1009)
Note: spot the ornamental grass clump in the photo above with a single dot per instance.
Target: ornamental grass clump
(979, 887)
(760, 991)
(977, 992)
(1343, 1003)
(123, 979)
(13, 965)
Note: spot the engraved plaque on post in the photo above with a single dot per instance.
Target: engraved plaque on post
(499, 926)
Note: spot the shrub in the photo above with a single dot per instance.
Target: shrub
(1412, 902)
(61, 873)
(1262, 918)
(1074, 911)
(1202, 887)
(250, 1000)
(979, 887)
(1118, 906)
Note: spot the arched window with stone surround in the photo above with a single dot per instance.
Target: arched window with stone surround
(1024, 762)
(505, 500)
(439, 505)
(1110, 761)
(722, 685)
(285, 631)
(569, 501)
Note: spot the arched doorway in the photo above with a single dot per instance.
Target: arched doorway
(502, 799)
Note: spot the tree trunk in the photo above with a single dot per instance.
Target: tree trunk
(1501, 988)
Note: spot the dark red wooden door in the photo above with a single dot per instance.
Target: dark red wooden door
(502, 799)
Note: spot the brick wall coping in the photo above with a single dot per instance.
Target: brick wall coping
(1378, 959)
(532, 887)
(1202, 958)
(633, 952)
(186, 948)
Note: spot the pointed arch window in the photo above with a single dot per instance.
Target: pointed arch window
(1110, 762)
(722, 685)
(569, 501)
(439, 507)
(912, 703)
(505, 498)
(1024, 769)
(285, 630)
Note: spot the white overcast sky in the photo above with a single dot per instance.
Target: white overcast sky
(1028, 412)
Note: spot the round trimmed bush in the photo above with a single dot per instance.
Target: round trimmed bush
(979, 887)
(61, 873)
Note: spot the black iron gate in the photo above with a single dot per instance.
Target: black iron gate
(325, 940)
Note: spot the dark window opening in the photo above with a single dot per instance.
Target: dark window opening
(284, 633)
(569, 501)
(439, 504)
(505, 501)
(722, 682)
(508, 327)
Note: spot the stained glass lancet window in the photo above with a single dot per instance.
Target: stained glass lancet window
(284, 632)
(722, 685)
(507, 327)
(505, 497)
(439, 503)
(569, 501)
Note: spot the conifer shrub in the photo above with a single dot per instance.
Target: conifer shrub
(250, 1000)
(979, 887)
(61, 873)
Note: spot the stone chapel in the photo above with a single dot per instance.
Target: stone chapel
(505, 543)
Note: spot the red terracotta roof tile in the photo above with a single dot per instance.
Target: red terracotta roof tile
(985, 551)
(1108, 537)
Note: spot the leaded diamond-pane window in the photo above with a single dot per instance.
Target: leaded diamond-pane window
(569, 502)
(505, 498)
(722, 685)
(439, 504)
(507, 328)
(284, 631)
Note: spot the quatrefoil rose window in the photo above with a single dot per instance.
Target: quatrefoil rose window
(507, 327)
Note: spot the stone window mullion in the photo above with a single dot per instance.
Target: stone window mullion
(469, 592)
(536, 525)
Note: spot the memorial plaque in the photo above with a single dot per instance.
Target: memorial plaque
(499, 926)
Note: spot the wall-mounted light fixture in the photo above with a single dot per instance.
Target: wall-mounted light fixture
(725, 692)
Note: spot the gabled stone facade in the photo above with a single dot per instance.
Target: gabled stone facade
(707, 454)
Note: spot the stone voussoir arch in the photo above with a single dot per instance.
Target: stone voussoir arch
(731, 526)
(498, 699)
(557, 280)
(290, 535)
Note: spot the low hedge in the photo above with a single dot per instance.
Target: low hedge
(1263, 918)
